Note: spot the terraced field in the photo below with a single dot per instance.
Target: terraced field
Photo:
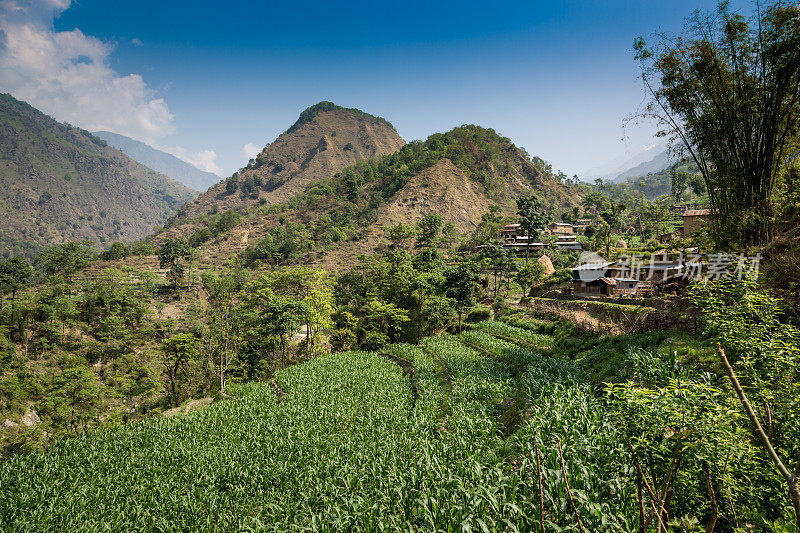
(477, 433)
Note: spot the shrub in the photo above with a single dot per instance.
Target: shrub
(479, 313)
(142, 248)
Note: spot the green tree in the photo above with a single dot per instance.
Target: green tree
(532, 217)
(74, 399)
(344, 338)
(679, 181)
(15, 273)
(318, 305)
(424, 289)
(428, 229)
(271, 318)
(142, 248)
(232, 184)
(595, 203)
(280, 318)
(602, 236)
(614, 215)
(313, 290)
(498, 264)
(224, 319)
(461, 283)
(118, 250)
(178, 353)
(383, 323)
(654, 217)
(449, 236)
(400, 235)
(727, 89)
(66, 260)
(173, 254)
(489, 227)
(529, 275)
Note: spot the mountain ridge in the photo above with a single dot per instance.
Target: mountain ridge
(160, 161)
(61, 183)
(659, 163)
(330, 222)
(325, 141)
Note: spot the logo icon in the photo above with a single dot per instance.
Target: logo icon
(591, 266)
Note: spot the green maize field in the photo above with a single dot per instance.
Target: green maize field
(349, 447)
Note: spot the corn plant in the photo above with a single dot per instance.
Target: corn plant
(509, 332)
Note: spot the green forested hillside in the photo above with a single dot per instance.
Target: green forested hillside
(458, 174)
(60, 183)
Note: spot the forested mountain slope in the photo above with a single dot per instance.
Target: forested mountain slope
(60, 183)
(325, 139)
(458, 174)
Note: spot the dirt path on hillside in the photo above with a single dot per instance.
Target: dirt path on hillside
(411, 372)
(279, 392)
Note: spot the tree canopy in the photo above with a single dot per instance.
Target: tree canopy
(727, 90)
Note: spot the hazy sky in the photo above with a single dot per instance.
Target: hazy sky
(212, 81)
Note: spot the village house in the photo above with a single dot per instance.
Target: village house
(521, 245)
(581, 224)
(568, 242)
(594, 279)
(514, 241)
(511, 231)
(560, 228)
(622, 278)
(695, 219)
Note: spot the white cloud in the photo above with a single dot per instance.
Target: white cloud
(251, 150)
(137, 42)
(67, 74)
(204, 159)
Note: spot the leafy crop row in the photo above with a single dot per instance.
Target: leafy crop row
(518, 334)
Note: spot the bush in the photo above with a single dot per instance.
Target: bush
(479, 313)
(199, 237)
(374, 340)
(142, 248)
(118, 250)
(232, 184)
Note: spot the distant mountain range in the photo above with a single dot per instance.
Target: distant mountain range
(661, 161)
(61, 183)
(160, 161)
(650, 159)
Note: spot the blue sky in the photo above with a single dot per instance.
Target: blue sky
(205, 81)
